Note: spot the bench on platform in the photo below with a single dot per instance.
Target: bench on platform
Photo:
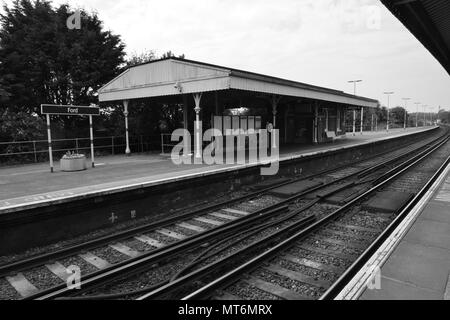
(331, 135)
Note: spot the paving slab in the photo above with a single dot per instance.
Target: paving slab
(396, 290)
(437, 211)
(430, 233)
(423, 266)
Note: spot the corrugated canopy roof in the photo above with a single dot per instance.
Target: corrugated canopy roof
(429, 21)
(175, 76)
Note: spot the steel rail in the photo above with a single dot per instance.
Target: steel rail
(221, 263)
(171, 250)
(102, 277)
(231, 276)
(157, 255)
(351, 271)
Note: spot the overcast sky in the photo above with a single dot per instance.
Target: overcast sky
(322, 42)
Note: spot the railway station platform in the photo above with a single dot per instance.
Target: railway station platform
(30, 186)
(416, 264)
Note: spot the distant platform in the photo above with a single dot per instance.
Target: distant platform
(29, 186)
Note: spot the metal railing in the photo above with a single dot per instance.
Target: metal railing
(377, 127)
(37, 150)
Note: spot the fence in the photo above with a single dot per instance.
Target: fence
(376, 127)
(37, 150)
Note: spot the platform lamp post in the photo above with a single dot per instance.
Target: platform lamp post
(406, 113)
(437, 116)
(388, 105)
(417, 113)
(354, 85)
(430, 109)
(424, 106)
(354, 111)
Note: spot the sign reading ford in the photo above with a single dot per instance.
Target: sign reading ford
(69, 110)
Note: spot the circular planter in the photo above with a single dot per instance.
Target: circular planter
(76, 164)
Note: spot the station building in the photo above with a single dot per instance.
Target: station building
(226, 98)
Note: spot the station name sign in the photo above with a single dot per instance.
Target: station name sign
(69, 110)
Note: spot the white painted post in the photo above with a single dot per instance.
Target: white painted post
(316, 125)
(275, 101)
(354, 122)
(371, 126)
(405, 119)
(362, 119)
(338, 120)
(125, 112)
(274, 110)
(326, 120)
(197, 109)
(91, 133)
(49, 134)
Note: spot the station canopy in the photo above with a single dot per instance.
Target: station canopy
(176, 76)
(429, 22)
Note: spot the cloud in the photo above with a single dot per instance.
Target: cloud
(324, 42)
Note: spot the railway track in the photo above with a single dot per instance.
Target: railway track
(157, 242)
(299, 218)
(317, 261)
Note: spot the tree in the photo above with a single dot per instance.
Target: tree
(444, 116)
(43, 61)
(140, 58)
(170, 54)
(148, 56)
(397, 116)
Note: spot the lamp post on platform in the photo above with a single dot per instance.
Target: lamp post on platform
(354, 111)
(417, 113)
(424, 106)
(388, 97)
(354, 85)
(406, 103)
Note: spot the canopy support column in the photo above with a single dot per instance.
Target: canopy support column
(362, 120)
(125, 113)
(316, 115)
(185, 113)
(275, 101)
(91, 135)
(49, 137)
(197, 109)
(354, 122)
